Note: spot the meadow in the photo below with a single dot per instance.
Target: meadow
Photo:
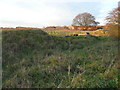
(36, 59)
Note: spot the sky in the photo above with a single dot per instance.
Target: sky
(43, 13)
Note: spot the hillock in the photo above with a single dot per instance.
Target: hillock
(34, 59)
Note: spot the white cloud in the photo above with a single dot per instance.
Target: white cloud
(40, 13)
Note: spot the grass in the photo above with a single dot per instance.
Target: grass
(35, 59)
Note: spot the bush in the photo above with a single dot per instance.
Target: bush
(114, 30)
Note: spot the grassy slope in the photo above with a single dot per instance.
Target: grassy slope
(32, 58)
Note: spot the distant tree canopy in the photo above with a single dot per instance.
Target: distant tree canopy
(84, 19)
(113, 22)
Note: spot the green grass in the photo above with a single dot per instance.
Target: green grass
(34, 59)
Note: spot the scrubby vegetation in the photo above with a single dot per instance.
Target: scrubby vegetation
(113, 20)
(32, 58)
(114, 30)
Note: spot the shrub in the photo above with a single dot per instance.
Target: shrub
(114, 30)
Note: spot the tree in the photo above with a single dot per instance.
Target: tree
(84, 19)
(113, 22)
(113, 16)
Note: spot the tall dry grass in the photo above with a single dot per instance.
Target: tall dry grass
(114, 30)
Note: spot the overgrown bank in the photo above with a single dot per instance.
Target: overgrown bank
(32, 58)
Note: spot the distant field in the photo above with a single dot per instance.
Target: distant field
(36, 59)
(65, 32)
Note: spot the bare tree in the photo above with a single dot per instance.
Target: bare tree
(113, 22)
(84, 19)
(113, 16)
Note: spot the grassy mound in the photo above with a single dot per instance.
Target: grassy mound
(32, 58)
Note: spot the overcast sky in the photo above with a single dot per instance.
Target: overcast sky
(42, 13)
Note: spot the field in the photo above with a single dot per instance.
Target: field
(65, 32)
(35, 59)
